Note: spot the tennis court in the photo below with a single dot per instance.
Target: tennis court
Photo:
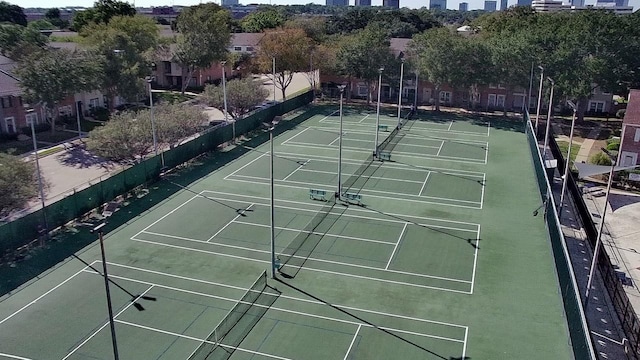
(423, 256)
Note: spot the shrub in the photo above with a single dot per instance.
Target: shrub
(620, 113)
(613, 144)
(38, 128)
(8, 137)
(100, 113)
(600, 159)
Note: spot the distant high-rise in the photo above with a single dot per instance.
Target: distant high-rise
(337, 2)
(229, 2)
(438, 4)
(463, 6)
(504, 4)
(490, 5)
(363, 3)
(391, 3)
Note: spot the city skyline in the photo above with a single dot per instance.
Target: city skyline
(413, 4)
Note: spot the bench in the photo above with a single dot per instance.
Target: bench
(351, 197)
(317, 194)
(383, 127)
(384, 156)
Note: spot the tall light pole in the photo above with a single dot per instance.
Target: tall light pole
(400, 92)
(567, 159)
(530, 88)
(108, 293)
(546, 132)
(153, 123)
(339, 192)
(272, 204)
(415, 99)
(539, 99)
(78, 119)
(375, 146)
(273, 61)
(224, 97)
(596, 251)
(40, 187)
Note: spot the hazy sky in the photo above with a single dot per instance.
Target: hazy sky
(451, 4)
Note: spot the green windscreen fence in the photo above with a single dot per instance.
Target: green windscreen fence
(24, 230)
(574, 312)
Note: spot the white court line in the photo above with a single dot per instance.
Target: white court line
(14, 357)
(484, 184)
(475, 261)
(275, 308)
(317, 233)
(369, 141)
(424, 184)
(396, 246)
(355, 336)
(43, 295)
(103, 325)
(361, 120)
(411, 136)
(282, 296)
(464, 346)
(169, 213)
(247, 164)
(486, 153)
(298, 168)
(306, 268)
(414, 129)
(332, 142)
(266, 199)
(450, 124)
(440, 148)
(305, 129)
(182, 336)
(229, 223)
(326, 117)
(467, 204)
(309, 258)
(488, 128)
(362, 176)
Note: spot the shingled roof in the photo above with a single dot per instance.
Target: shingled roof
(8, 83)
(632, 115)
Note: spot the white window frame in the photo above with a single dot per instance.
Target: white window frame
(445, 97)
(491, 100)
(593, 106)
(33, 116)
(501, 101)
(636, 136)
(628, 158)
(6, 122)
(94, 103)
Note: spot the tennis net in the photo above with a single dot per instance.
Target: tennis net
(306, 241)
(207, 350)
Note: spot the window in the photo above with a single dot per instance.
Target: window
(596, 106)
(237, 48)
(6, 102)
(167, 67)
(445, 96)
(362, 90)
(94, 103)
(9, 125)
(636, 137)
(64, 110)
(491, 101)
(31, 117)
(249, 48)
(500, 101)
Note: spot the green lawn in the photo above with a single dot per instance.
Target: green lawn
(45, 138)
(564, 146)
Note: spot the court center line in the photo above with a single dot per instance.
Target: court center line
(326, 117)
(363, 119)
(396, 246)
(464, 346)
(306, 268)
(279, 309)
(298, 168)
(355, 336)
(426, 178)
(450, 125)
(484, 184)
(244, 289)
(14, 356)
(289, 139)
(230, 222)
(169, 213)
(475, 261)
(334, 140)
(476, 226)
(182, 336)
(367, 267)
(440, 148)
(247, 164)
(43, 295)
(103, 325)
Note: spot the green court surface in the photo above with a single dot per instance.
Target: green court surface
(430, 254)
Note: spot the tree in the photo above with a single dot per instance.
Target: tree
(242, 96)
(41, 24)
(125, 137)
(362, 55)
(53, 16)
(51, 76)
(18, 41)
(12, 14)
(290, 48)
(126, 45)
(101, 13)
(204, 37)
(17, 183)
(177, 122)
(261, 20)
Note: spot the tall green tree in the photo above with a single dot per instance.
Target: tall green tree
(51, 76)
(18, 41)
(127, 45)
(260, 20)
(53, 16)
(242, 96)
(17, 183)
(101, 13)
(177, 122)
(126, 137)
(12, 14)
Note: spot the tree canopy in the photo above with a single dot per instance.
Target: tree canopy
(101, 13)
(242, 96)
(18, 41)
(12, 14)
(17, 183)
(268, 18)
